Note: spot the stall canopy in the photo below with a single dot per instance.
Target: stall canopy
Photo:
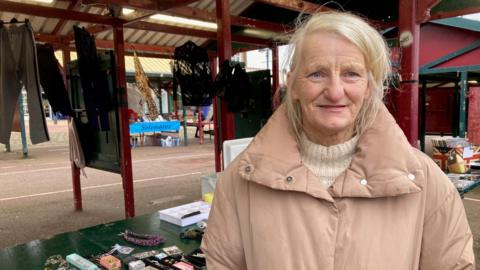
(226, 27)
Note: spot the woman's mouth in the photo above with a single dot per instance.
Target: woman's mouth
(333, 108)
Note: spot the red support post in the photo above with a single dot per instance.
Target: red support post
(407, 98)
(224, 45)
(77, 186)
(125, 154)
(275, 69)
(200, 125)
(216, 136)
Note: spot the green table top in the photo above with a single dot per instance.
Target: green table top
(92, 241)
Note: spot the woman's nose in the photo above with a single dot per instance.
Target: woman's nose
(334, 89)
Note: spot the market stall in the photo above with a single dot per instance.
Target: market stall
(122, 32)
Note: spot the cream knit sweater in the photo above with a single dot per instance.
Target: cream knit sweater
(327, 162)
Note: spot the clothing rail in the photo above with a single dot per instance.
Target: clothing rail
(13, 21)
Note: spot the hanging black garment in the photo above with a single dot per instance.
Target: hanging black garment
(234, 85)
(94, 81)
(52, 80)
(223, 80)
(191, 70)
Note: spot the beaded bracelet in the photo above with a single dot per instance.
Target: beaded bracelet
(147, 240)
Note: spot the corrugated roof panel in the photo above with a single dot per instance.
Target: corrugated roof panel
(170, 37)
(151, 39)
(37, 24)
(210, 6)
(49, 25)
(201, 4)
(147, 36)
(240, 6)
(170, 40)
(61, 4)
(236, 6)
(183, 40)
(104, 34)
(135, 36)
(163, 39)
(68, 27)
(127, 33)
(109, 35)
(155, 38)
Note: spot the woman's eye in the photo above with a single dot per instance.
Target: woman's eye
(352, 74)
(316, 75)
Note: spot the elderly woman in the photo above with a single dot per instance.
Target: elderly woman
(331, 182)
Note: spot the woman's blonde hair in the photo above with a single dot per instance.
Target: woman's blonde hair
(369, 42)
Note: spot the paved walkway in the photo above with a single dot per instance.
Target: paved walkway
(36, 199)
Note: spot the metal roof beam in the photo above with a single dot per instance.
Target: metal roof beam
(200, 14)
(310, 8)
(57, 13)
(169, 29)
(108, 44)
(423, 9)
(53, 39)
(449, 14)
(152, 5)
(296, 5)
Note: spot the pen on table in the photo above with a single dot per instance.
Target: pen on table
(191, 214)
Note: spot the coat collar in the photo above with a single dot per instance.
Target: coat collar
(383, 165)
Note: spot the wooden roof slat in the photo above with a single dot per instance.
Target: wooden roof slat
(235, 20)
(58, 13)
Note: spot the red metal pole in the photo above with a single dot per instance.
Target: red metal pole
(275, 73)
(200, 125)
(224, 45)
(125, 154)
(407, 97)
(77, 186)
(216, 136)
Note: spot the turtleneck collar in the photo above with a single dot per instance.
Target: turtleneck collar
(327, 162)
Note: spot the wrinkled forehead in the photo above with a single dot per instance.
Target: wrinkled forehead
(321, 47)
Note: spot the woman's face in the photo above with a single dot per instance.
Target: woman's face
(331, 85)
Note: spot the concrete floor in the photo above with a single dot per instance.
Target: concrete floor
(36, 200)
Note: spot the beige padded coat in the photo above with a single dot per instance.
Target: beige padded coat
(393, 208)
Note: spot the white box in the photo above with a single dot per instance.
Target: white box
(232, 148)
(186, 214)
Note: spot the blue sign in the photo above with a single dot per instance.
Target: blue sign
(142, 127)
